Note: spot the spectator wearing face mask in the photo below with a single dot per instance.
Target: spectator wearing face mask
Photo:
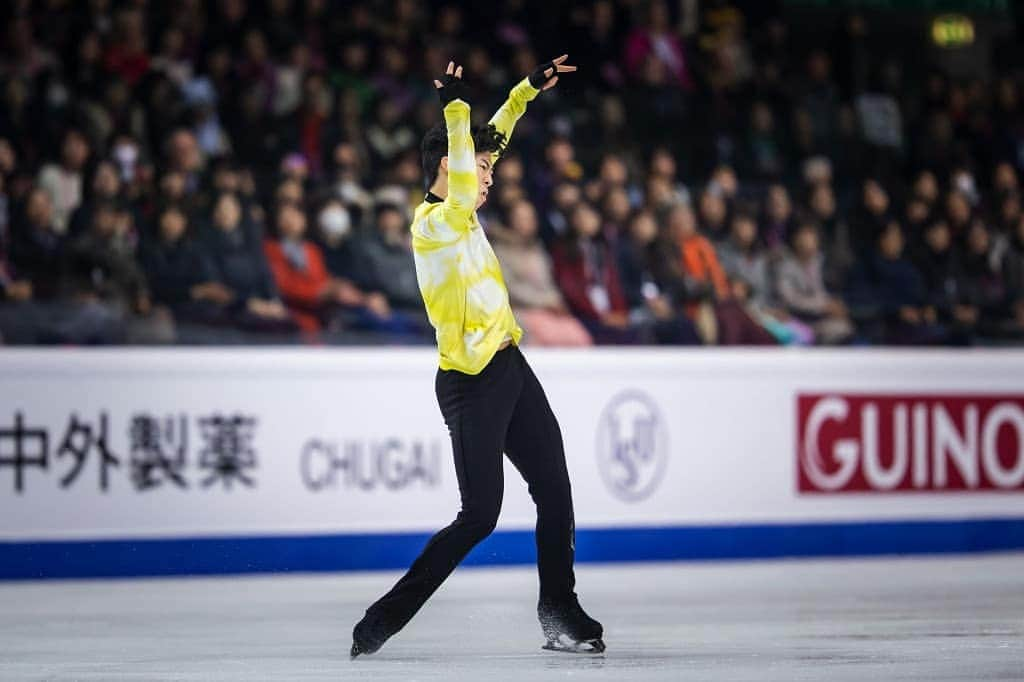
(315, 298)
(336, 238)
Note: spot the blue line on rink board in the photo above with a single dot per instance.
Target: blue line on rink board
(265, 554)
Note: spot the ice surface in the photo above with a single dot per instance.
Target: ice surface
(942, 618)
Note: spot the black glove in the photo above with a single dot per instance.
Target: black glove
(539, 77)
(451, 89)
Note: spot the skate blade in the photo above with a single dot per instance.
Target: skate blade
(589, 646)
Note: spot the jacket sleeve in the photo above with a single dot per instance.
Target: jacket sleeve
(297, 288)
(462, 182)
(513, 108)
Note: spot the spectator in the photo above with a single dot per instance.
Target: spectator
(15, 297)
(820, 100)
(764, 156)
(959, 214)
(38, 248)
(337, 243)
(944, 280)
(872, 218)
(565, 198)
(588, 275)
(185, 157)
(532, 291)
(983, 283)
(105, 188)
(387, 255)
(751, 277)
(835, 234)
(560, 167)
(616, 212)
(663, 167)
(800, 284)
(1013, 274)
(316, 101)
(63, 181)
(315, 298)
(713, 216)
(126, 56)
(179, 276)
(235, 254)
(732, 324)
(655, 42)
(101, 268)
(926, 188)
(888, 298)
(778, 216)
(652, 297)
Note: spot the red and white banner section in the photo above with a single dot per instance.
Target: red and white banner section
(120, 462)
(885, 443)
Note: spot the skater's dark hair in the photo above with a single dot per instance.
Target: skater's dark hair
(486, 138)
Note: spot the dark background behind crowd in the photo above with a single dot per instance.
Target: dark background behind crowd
(717, 172)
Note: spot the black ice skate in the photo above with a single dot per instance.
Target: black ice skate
(568, 628)
(369, 635)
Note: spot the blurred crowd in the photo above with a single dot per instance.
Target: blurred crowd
(242, 171)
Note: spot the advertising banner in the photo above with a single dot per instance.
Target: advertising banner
(117, 445)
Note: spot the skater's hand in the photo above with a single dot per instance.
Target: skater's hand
(545, 76)
(452, 87)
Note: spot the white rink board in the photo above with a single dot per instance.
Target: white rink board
(722, 448)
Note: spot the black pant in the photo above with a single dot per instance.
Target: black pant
(501, 409)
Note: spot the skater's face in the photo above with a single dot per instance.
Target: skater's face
(484, 177)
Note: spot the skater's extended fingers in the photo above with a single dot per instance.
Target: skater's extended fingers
(451, 69)
(559, 60)
(458, 72)
(565, 68)
(550, 84)
(438, 84)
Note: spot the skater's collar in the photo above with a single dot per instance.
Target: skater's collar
(432, 198)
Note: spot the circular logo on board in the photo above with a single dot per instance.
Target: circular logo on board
(632, 446)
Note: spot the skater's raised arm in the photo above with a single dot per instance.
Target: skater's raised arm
(460, 164)
(543, 78)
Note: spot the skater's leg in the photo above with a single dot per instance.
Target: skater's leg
(534, 444)
(477, 410)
